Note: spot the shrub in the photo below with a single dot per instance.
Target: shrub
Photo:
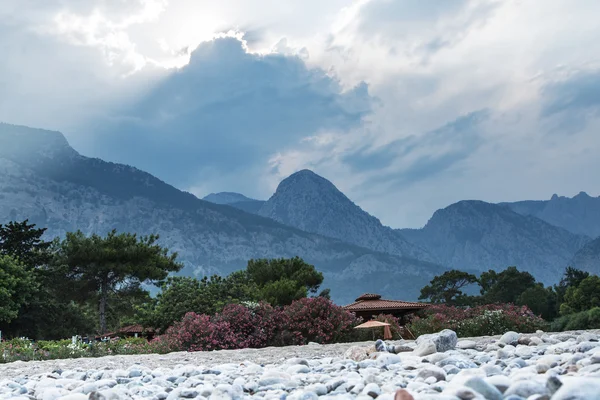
(317, 319)
(253, 326)
(589, 319)
(196, 332)
(493, 319)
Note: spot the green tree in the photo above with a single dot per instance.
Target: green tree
(23, 241)
(281, 281)
(447, 288)
(506, 286)
(16, 287)
(110, 265)
(572, 277)
(180, 295)
(540, 300)
(583, 297)
(487, 280)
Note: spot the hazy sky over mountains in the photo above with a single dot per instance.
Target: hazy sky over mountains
(407, 106)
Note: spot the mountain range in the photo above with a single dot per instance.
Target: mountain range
(46, 181)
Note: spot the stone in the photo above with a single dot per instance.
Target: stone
(510, 337)
(524, 340)
(489, 391)
(134, 373)
(578, 388)
(356, 353)
(500, 382)
(54, 393)
(458, 362)
(432, 371)
(74, 396)
(381, 346)
(466, 344)
(535, 341)
(425, 348)
(99, 396)
(401, 348)
(526, 388)
(463, 393)
(403, 394)
(298, 369)
(587, 337)
(188, 393)
(444, 340)
(388, 358)
(584, 347)
(372, 389)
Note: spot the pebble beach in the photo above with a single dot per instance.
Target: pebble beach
(540, 366)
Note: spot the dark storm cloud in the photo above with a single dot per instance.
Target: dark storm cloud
(226, 110)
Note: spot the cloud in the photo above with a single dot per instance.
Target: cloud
(226, 110)
(418, 157)
(407, 106)
(578, 92)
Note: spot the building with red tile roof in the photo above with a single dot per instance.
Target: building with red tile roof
(369, 305)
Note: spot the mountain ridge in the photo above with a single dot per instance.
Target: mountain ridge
(478, 235)
(314, 204)
(579, 214)
(65, 191)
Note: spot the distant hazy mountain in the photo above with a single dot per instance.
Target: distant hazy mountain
(43, 179)
(579, 214)
(311, 203)
(236, 200)
(481, 236)
(588, 257)
(226, 198)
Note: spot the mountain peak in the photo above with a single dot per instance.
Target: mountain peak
(582, 195)
(226, 198)
(18, 142)
(308, 182)
(311, 203)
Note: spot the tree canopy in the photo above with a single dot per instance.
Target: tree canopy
(180, 295)
(447, 288)
(23, 241)
(112, 264)
(281, 281)
(16, 287)
(584, 296)
(505, 286)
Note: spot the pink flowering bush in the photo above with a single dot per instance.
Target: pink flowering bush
(318, 320)
(491, 319)
(251, 326)
(259, 325)
(196, 332)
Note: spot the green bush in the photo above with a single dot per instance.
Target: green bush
(589, 319)
(476, 321)
(26, 350)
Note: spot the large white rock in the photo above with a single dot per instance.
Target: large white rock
(510, 337)
(444, 340)
(576, 388)
(425, 348)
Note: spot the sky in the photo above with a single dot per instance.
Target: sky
(406, 106)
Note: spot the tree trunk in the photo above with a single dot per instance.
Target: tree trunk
(103, 298)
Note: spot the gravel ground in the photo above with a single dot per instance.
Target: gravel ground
(535, 367)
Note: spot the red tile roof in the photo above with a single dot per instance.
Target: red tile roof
(129, 329)
(372, 302)
(134, 329)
